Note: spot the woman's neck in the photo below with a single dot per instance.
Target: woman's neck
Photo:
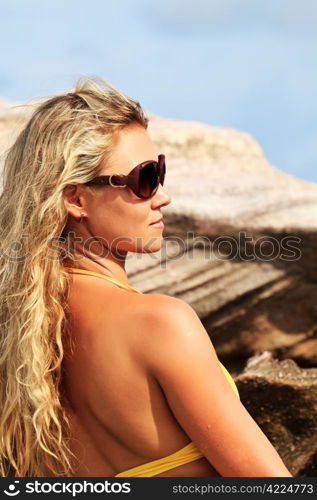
(109, 266)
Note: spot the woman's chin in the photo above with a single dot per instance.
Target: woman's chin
(150, 246)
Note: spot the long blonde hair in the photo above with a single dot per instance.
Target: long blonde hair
(64, 142)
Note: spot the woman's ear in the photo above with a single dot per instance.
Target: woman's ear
(73, 200)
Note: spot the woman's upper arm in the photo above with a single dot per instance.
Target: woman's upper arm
(181, 357)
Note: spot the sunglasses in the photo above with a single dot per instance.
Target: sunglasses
(144, 179)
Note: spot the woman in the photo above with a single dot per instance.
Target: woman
(98, 379)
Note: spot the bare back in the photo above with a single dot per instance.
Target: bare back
(119, 414)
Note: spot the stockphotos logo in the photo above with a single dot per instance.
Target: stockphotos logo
(13, 491)
(68, 487)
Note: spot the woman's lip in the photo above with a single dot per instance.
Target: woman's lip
(160, 223)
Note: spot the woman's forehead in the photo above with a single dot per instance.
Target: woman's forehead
(133, 147)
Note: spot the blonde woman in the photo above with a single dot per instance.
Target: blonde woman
(96, 378)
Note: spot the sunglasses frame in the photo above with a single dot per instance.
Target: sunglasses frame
(131, 180)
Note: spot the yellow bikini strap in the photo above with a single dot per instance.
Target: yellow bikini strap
(76, 270)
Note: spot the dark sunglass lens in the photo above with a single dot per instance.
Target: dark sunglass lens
(149, 179)
(162, 171)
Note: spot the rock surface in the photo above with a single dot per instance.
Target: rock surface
(282, 398)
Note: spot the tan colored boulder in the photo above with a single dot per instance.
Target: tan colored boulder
(282, 398)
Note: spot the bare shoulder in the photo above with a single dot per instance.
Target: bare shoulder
(162, 308)
(167, 323)
(179, 354)
(159, 311)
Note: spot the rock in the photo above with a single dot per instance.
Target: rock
(220, 179)
(282, 399)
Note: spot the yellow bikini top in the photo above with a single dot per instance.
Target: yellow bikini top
(188, 453)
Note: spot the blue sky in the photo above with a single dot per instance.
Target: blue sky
(246, 64)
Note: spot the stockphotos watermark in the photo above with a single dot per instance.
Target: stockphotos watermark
(158, 488)
(58, 487)
(242, 247)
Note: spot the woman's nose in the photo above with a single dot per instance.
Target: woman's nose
(162, 196)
